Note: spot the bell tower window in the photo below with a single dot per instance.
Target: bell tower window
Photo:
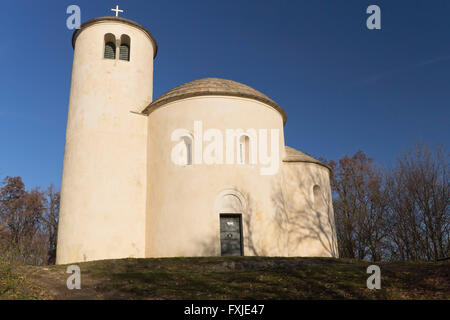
(110, 47)
(124, 52)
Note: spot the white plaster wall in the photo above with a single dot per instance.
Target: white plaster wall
(103, 193)
(183, 219)
(309, 219)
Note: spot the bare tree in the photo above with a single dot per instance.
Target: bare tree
(28, 222)
(419, 203)
(360, 207)
(50, 221)
(398, 214)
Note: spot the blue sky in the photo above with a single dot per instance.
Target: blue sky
(344, 87)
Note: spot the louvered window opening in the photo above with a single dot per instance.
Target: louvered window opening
(110, 50)
(124, 52)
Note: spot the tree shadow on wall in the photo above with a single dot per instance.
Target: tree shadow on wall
(256, 231)
(305, 222)
(295, 225)
(210, 246)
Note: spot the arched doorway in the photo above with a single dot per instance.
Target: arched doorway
(230, 207)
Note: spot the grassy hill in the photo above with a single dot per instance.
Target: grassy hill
(228, 278)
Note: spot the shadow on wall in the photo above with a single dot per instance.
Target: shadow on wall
(249, 242)
(211, 245)
(262, 235)
(306, 220)
(301, 223)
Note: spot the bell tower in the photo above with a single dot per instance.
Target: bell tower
(103, 191)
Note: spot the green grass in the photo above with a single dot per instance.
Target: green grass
(14, 285)
(237, 278)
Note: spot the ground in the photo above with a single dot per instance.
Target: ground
(228, 278)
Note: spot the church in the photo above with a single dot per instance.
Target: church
(202, 170)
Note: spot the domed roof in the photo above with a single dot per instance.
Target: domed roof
(293, 155)
(213, 87)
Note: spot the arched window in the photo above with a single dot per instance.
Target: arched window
(110, 50)
(244, 149)
(124, 53)
(188, 146)
(181, 153)
(110, 46)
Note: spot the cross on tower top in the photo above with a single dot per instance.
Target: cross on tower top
(117, 10)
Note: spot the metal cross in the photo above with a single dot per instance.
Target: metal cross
(117, 10)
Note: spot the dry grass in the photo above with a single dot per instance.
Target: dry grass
(228, 278)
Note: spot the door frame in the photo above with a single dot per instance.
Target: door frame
(241, 231)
